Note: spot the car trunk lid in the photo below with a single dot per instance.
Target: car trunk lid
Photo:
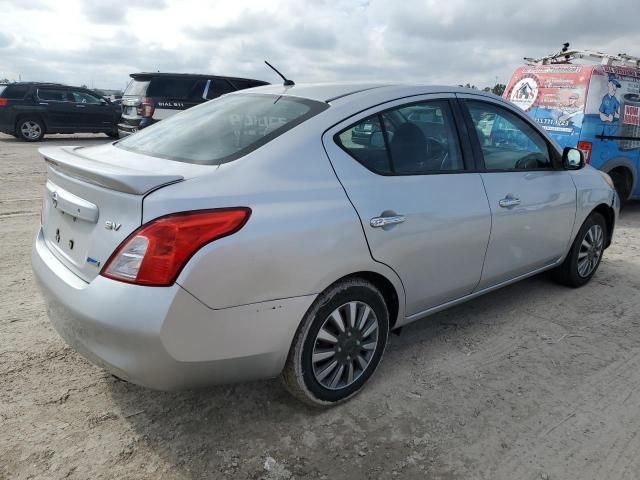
(94, 199)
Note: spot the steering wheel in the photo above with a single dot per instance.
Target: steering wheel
(530, 161)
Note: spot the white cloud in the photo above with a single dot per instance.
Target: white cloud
(458, 41)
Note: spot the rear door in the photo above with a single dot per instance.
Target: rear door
(423, 212)
(60, 110)
(532, 200)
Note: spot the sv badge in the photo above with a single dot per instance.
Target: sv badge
(109, 225)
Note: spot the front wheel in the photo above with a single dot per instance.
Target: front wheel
(338, 345)
(585, 254)
(30, 129)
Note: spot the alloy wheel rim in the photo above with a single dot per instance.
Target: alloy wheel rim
(590, 251)
(345, 345)
(30, 130)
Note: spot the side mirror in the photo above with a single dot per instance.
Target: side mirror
(572, 159)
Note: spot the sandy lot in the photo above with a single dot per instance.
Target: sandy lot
(533, 381)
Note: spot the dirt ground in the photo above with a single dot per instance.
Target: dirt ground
(534, 381)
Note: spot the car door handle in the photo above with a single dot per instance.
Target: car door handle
(80, 106)
(378, 222)
(509, 201)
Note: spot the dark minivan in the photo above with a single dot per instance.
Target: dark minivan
(28, 110)
(151, 97)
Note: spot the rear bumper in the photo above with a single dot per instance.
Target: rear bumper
(127, 128)
(124, 130)
(162, 337)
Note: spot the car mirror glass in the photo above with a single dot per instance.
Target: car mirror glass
(572, 159)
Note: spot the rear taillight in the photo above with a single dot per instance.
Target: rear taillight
(148, 107)
(3, 102)
(156, 252)
(585, 147)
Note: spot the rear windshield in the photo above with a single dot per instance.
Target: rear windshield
(137, 88)
(222, 130)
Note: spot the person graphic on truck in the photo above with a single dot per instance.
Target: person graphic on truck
(610, 108)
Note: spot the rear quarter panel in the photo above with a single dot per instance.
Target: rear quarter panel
(303, 234)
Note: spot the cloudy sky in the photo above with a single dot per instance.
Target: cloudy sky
(98, 43)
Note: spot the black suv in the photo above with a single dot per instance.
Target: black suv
(29, 110)
(150, 97)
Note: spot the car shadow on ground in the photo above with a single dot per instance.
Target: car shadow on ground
(196, 425)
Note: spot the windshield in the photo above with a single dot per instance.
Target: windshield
(137, 88)
(2, 87)
(222, 130)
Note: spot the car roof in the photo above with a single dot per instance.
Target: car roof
(48, 84)
(334, 92)
(147, 75)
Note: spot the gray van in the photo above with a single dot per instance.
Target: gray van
(151, 97)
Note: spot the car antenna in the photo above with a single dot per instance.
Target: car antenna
(287, 82)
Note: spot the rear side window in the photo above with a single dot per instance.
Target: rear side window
(177, 88)
(52, 95)
(507, 141)
(222, 130)
(137, 88)
(217, 87)
(410, 140)
(15, 92)
(240, 84)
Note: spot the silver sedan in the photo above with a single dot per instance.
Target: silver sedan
(287, 230)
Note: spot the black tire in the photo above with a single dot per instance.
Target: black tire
(114, 134)
(622, 184)
(569, 272)
(300, 375)
(30, 129)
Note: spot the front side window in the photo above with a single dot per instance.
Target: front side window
(508, 142)
(84, 97)
(222, 130)
(409, 140)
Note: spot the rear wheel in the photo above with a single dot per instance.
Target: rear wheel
(339, 344)
(113, 134)
(30, 129)
(585, 254)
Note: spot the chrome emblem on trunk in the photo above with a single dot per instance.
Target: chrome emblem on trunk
(109, 225)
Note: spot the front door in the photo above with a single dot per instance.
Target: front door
(92, 112)
(423, 214)
(532, 200)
